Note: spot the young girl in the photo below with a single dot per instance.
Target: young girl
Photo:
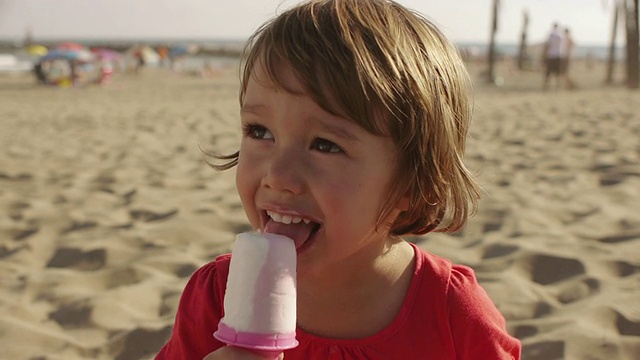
(355, 115)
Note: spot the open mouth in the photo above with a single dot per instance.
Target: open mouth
(299, 229)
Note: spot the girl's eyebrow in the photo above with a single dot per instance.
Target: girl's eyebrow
(255, 109)
(338, 131)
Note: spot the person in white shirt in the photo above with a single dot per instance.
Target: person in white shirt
(567, 51)
(553, 52)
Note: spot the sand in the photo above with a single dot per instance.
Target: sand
(107, 207)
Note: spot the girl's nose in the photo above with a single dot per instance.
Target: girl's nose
(285, 173)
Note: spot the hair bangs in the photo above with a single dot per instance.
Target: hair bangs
(317, 48)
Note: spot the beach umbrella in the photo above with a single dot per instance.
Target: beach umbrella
(70, 46)
(81, 55)
(37, 50)
(183, 49)
(149, 53)
(107, 54)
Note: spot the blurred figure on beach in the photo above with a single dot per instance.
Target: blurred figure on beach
(75, 72)
(163, 54)
(138, 55)
(106, 71)
(40, 72)
(567, 54)
(553, 57)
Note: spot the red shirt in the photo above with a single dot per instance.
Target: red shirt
(445, 315)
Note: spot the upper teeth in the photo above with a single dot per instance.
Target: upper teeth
(286, 219)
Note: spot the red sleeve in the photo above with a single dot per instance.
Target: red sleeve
(478, 329)
(198, 314)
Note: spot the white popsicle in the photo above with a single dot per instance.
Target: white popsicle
(260, 300)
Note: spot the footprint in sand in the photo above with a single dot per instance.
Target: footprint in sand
(623, 268)
(17, 229)
(627, 327)
(15, 177)
(578, 290)
(74, 315)
(20, 230)
(169, 304)
(79, 225)
(499, 250)
(185, 270)
(149, 215)
(23, 232)
(541, 309)
(610, 179)
(127, 197)
(78, 259)
(549, 269)
(492, 225)
(123, 277)
(525, 331)
(139, 343)
(8, 251)
(621, 237)
(103, 182)
(544, 350)
(16, 208)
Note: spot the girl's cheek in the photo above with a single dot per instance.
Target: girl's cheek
(247, 199)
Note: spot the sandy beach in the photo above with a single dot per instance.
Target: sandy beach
(107, 207)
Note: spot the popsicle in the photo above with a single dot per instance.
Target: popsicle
(260, 300)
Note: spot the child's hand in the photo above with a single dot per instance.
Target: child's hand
(235, 353)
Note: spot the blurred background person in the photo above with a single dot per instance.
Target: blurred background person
(553, 57)
(566, 55)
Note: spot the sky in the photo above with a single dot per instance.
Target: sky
(461, 20)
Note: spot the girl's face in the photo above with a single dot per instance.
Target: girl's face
(315, 177)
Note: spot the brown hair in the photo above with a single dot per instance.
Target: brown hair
(391, 71)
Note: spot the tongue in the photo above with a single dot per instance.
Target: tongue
(299, 233)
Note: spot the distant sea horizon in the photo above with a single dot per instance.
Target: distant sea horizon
(596, 51)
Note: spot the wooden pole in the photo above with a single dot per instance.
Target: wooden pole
(612, 43)
(492, 43)
(633, 38)
(522, 54)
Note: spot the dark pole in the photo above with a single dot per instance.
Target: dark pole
(633, 63)
(522, 54)
(612, 44)
(492, 43)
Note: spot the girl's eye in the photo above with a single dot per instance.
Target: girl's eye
(325, 146)
(255, 131)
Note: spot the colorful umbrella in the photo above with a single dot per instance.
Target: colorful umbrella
(183, 49)
(81, 55)
(107, 54)
(37, 50)
(149, 55)
(70, 46)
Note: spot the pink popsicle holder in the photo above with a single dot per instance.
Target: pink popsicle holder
(266, 343)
